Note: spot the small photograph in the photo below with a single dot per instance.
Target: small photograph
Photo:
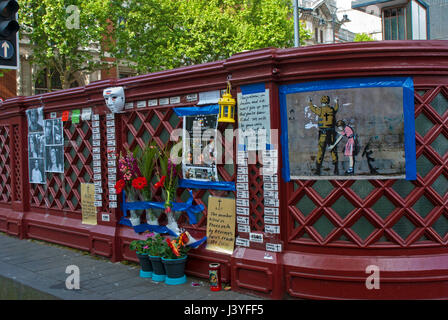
(35, 119)
(37, 173)
(54, 159)
(49, 132)
(58, 137)
(36, 145)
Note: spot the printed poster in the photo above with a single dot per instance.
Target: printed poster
(199, 157)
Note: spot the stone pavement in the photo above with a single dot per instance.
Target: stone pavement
(41, 266)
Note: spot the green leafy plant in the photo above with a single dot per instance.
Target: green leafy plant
(156, 245)
(137, 245)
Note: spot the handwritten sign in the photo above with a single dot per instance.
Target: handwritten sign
(88, 204)
(253, 118)
(221, 224)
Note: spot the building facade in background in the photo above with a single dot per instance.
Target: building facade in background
(408, 19)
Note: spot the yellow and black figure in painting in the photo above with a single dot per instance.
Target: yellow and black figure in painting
(326, 124)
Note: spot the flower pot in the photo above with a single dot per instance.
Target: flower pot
(146, 266)
(175, 270)
(158, 270)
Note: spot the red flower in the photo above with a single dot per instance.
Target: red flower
(160, 183)
(119, 185)
(173, 247)
(139, 183)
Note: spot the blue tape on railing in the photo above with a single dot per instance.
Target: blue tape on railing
(194, 111)
(214, 185)
(252, 88)
(409, 129)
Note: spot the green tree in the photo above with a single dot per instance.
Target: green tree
(66, 35)
(154, 35)
(359, 37)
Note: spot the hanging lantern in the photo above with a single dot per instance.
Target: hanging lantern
(227, 106)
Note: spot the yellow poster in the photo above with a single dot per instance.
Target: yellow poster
(221, 224)
(87, 204)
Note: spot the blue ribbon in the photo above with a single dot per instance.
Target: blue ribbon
(176, 206)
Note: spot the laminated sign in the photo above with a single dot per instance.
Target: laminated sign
(88, 204)
(221, 224)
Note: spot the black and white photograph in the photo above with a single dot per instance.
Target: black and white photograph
(58, 137)
(36, 145)
(37, 173)
(49, 140)
(35, 119)
(54, 159)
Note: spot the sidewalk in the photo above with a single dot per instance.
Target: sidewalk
(41, 266)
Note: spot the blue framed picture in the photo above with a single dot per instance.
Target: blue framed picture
(357, 128)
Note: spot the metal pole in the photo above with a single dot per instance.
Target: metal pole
(296, 24)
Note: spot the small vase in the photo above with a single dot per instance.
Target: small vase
(158, 270)
(134, 218)
(172, 223)
(146, 265)
(151, 219)
(175, 270)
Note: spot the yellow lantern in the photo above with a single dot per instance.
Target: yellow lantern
(227, 106)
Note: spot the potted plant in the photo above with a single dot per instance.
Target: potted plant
(141, 249)
(155, 250)
(174, 258)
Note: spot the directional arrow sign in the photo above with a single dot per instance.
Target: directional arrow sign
(6, 49)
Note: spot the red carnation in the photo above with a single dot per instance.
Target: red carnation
(139, 183)
(119, 185)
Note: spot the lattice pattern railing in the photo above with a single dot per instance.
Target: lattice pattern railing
(5, 165)
(17, 162)
(63, 191)
(382, 213)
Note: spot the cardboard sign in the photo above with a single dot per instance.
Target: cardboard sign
(221, 224)
(88, 204)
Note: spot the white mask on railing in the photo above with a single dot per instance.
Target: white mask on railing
(114, 98)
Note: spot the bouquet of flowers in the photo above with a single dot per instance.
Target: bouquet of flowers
(146, 159)
(177, 248)
(131, 180)
(168, 178)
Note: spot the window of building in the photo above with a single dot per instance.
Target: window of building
(394, 20)
(321, 36)
(316, 35)
(408, 22)
(48, 80)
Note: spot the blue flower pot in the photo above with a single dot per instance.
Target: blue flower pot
(175, 270)
(158, 270)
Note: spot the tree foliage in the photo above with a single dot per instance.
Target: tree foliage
(359, 37)
(151, 35)
(162, 34)
(58, 42)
